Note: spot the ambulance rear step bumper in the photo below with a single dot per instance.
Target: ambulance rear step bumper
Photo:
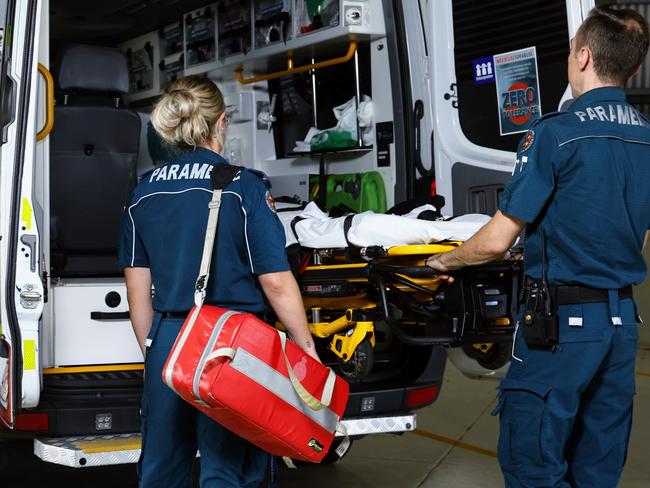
(102, 450)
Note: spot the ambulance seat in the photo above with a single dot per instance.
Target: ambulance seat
(93, 155)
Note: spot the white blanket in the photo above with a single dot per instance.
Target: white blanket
(319, 231)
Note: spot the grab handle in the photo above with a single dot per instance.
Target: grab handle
(110, 315)
(414, 271)
(49, 103)
(291, 70)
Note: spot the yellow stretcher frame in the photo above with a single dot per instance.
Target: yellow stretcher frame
(345, 332)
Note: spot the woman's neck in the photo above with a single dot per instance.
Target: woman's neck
(212, 145)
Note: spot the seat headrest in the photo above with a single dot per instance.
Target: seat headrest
(94, 68)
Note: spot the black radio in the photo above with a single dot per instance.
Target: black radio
(539, 323)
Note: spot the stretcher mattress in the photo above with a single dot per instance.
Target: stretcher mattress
(317, 230)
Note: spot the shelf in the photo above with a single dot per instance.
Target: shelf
(350, 150)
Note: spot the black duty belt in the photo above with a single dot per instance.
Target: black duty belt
(565, 295)
(174, 315)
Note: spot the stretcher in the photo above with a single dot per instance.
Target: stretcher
(353, 294)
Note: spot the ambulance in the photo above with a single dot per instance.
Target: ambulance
(434, 94)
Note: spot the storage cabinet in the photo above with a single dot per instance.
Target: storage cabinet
(200, 31)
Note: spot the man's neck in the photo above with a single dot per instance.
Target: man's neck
(592, 82)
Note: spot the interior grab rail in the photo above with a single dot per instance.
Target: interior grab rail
(49, 103)
(291, 70)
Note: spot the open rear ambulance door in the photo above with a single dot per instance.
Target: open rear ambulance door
(479, 75)
(490, 69)
(21, 287)
(496, 67)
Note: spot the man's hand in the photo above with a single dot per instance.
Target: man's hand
(436, 263)
(491, 242)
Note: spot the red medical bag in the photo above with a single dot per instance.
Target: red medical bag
(233, 367)
(245, 374)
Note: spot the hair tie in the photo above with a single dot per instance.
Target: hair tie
(176, 92)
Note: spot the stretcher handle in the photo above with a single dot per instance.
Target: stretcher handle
(415, 271)
(401, 335)
(310, 400)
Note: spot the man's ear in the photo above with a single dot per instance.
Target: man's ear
(585, 57)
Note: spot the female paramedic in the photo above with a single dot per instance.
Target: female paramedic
(162, 241)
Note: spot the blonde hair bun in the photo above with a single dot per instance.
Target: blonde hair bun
(186, 113)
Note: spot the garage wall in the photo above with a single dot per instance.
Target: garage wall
(642, 296)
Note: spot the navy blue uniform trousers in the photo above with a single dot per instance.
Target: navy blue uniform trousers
(173, 430)
(566, 414)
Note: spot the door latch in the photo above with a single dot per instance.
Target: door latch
(30, 298)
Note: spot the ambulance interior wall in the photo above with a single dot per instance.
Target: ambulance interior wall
(357, 162)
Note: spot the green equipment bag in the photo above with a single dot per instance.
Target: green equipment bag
(359, 191)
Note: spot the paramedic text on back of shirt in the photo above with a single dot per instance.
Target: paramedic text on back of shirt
(583, 177)
(162, 241)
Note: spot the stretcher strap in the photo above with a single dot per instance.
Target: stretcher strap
(206, 259)
(347, 225)
(310, 400)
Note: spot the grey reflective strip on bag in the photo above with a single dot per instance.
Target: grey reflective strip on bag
(214, 335)
(178, 347)
(278, 384)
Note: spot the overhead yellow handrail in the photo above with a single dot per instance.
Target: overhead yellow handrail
(49, 103)
(291, 70)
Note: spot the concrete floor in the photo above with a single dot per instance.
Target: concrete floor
(462, 413)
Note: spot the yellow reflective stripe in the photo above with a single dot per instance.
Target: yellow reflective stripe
(109, 445)
(26, 214)
(29, 355)
(95, 369)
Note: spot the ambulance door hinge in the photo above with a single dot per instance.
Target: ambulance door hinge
(44, 277)
(452, 95)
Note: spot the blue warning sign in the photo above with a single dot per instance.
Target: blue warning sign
(483, 70)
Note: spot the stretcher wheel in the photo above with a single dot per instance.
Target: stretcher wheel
(359, 364)
(492, 358)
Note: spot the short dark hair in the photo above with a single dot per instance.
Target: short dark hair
(618, 39)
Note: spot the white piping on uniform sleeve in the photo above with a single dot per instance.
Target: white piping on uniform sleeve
(633, 141)
(248, 247)
(150, 195)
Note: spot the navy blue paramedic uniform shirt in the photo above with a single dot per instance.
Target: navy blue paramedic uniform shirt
(164, 229)
(584, 176)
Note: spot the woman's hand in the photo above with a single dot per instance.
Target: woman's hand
(312, 352)
(284, 296)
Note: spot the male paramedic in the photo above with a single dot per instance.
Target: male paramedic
(581, 188)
